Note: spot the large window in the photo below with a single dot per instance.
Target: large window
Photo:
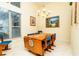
(4, 23)
(15, 24)
(9, 23)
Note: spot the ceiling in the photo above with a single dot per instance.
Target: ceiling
(40, 5)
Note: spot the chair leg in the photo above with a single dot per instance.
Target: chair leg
(6, 48)
(48, 48)
(51, 48)
(54, 45)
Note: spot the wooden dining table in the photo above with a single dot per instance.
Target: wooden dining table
(36, 43)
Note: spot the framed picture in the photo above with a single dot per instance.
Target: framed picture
(52, 22)
(32, 21)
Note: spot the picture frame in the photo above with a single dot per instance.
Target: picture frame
(52, 22)
(32, 21)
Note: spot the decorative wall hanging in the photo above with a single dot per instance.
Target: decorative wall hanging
(52, 22)
(32, 21)
(75, 18)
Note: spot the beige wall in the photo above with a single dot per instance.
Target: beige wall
(63, 10)
(75, 34)
(75, 39)
(27, 11)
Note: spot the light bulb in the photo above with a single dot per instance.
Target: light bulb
(44, 9)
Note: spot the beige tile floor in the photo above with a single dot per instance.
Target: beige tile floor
(17, 49)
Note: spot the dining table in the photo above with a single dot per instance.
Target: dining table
(36, 43)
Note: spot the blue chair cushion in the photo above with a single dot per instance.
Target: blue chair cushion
(5, 42)
(48, 38)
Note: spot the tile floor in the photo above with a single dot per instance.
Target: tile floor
(17, 49)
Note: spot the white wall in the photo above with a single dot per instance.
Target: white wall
(63, 10)
(75, 34)
(75, 39)
(27, 11)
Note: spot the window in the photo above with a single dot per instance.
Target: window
(15, 19)
(4, 23)
(9, 24)
(15, 24)
(15, 32)
(17, 4)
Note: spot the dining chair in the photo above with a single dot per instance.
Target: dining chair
(5, 42)
(48, 43)
(53, 39)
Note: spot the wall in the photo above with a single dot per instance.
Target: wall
(63, 10)
(75, 33)
(75, 39)
(27, 11)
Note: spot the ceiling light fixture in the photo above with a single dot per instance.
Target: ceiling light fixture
(43, 13)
